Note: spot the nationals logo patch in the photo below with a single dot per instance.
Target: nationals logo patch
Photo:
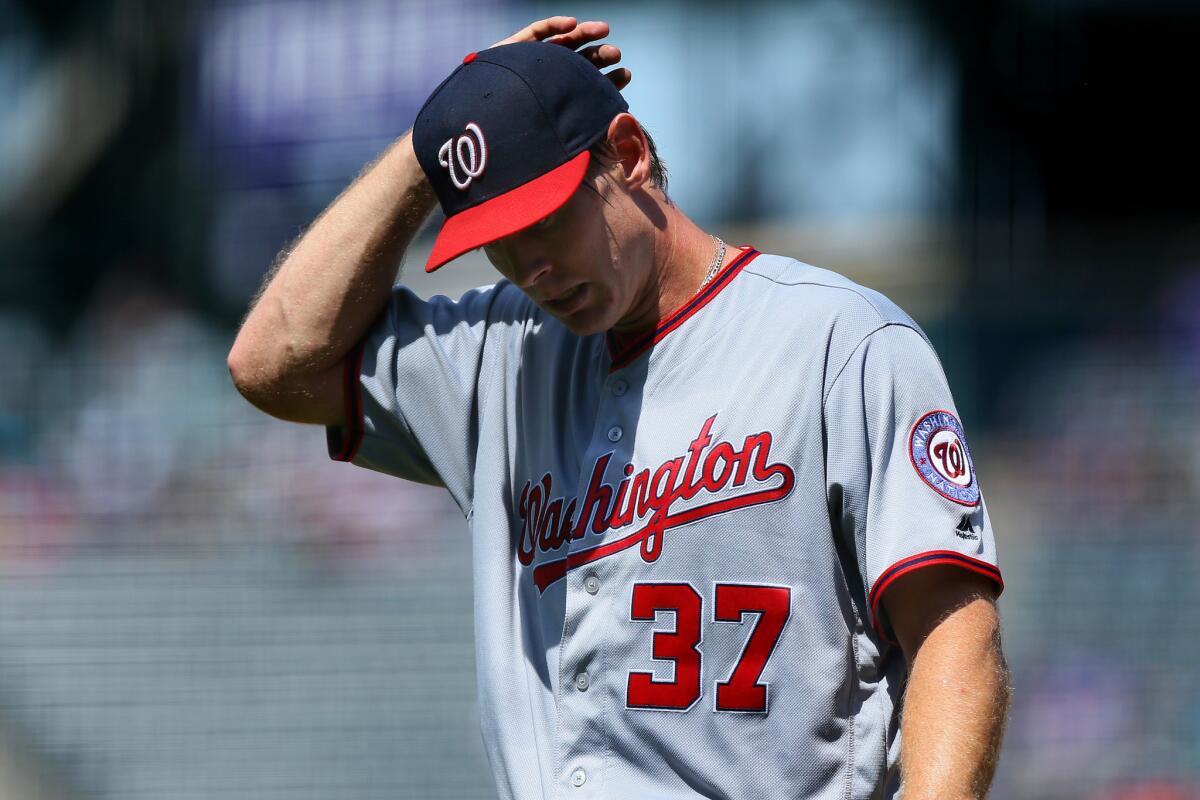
(939, 452)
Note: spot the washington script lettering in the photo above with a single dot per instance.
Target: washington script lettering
(548, 525)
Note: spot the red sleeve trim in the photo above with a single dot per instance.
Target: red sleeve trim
(926, 559)
(351, 433)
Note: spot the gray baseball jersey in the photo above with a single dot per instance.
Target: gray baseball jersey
(680, 542)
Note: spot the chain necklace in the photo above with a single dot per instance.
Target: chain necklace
(718, 260)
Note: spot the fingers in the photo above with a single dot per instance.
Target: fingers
(619, 77)
(546, 28)
(605, 55)
(568, 32)
(559, 30)
(540, 30)
(602, 55)
(582, 33)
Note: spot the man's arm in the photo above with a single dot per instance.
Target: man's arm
(324, 294)
(958, 694)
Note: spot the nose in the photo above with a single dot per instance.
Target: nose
(523, 262)
(528, 272)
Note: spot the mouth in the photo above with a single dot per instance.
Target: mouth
(569, 301)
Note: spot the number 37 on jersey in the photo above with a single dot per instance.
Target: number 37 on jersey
(766, 608)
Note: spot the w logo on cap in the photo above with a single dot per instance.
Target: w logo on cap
(464, 155)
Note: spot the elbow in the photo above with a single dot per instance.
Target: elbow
(263, 379)
(251, 374)
(241, 372)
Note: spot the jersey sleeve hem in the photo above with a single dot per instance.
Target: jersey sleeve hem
(344, 441)
(919, 561)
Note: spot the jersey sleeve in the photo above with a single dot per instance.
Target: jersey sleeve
(900, 480)
(412, 389)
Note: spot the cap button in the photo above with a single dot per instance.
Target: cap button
(469, 58)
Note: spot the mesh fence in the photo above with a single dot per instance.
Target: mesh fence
(195, 602)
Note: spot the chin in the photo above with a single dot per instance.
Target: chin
(587, 322)
(597, 315)
(583, 327)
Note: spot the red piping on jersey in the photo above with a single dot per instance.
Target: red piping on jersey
(650, 536)
(352, 434)
(913, 563)
(624, 354)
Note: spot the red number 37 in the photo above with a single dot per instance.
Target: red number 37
(734, 602)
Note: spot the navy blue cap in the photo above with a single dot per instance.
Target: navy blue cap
(504, 140)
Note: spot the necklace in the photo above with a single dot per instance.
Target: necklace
(718, 259)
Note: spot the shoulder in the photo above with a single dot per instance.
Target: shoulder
(830, 293)
(828, 304)
(821, 298)
(498, 303)
(509, 324)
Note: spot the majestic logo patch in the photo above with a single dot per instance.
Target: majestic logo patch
(551, 524)
(938, 448)
(464, 155)
(965, 530)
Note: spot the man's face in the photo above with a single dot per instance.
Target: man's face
(581, 263)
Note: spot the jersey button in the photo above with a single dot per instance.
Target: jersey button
(615, 434)
(578, 778)
(582, 681)
(619, 387)
(591, 584)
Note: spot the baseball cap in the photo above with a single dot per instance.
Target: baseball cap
(504, 140)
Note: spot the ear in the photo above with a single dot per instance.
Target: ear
(632, 150)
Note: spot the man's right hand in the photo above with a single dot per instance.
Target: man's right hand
(570, 33)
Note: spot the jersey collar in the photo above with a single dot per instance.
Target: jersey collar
(625, 350)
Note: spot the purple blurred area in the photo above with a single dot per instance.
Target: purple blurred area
(196, 602)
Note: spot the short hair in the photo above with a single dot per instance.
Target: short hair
(604, 151)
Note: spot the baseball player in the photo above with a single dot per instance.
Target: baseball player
(728, 538)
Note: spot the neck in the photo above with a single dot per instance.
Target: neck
(681, 254)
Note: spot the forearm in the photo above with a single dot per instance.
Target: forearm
(955, 709)
(325, 292)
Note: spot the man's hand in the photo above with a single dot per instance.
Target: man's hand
(569, 33)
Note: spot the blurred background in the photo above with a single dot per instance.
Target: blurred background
(196, 603)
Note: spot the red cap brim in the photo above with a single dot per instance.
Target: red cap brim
(507, 213)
